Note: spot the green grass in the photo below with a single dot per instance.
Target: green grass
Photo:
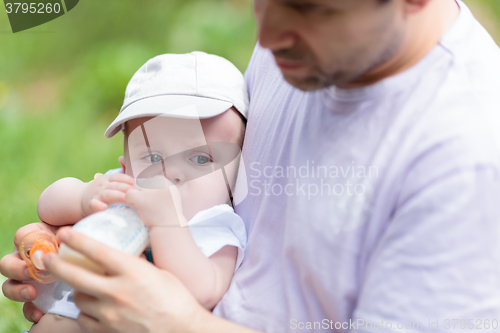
(62, 83)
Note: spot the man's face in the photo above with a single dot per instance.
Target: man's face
(318, 43)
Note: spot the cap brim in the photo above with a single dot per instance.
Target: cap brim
(177, 106)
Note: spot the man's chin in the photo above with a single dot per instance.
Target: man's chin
(308, 83)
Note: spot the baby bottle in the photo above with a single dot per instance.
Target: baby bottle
(119, 227)
(32, 248)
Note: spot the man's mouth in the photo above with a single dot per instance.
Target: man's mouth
(289, 65)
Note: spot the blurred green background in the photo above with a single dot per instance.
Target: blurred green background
(62, 83)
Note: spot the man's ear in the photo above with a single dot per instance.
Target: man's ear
(413, 6)
(121, 160)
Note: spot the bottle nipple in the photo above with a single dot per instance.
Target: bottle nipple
(33, 247)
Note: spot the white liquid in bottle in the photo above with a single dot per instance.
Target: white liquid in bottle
(118, 227)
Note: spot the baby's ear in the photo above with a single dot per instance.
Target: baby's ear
(121, 160)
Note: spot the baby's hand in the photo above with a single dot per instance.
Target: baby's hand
(158, 202)
(105, 190)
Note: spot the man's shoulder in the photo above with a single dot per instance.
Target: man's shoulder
(472, 50)
(456, 127)
(462, 123)
(466, 103)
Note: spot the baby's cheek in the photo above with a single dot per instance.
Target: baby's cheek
(155, 200)
(135, 170)
(203, 193)
(232, 172)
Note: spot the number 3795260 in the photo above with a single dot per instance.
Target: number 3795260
(470, 323)
(33, 8)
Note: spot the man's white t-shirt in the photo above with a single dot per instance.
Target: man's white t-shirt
(379, 204)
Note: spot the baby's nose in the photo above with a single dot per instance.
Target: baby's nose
(173, 172)
(174, 180)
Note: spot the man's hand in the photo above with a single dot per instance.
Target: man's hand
(15, 269)
(133, 296)
(105, 190)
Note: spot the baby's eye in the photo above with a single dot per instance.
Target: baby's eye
(200, 159)
(154, 158)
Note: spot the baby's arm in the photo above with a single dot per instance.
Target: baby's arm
(51, 323)
(174, 248)
(68, 200)
(60, 203)
(207, 279)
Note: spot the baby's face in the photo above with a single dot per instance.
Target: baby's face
(193, 154)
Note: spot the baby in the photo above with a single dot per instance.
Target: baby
(183, 121)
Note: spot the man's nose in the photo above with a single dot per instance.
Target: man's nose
(274, 22)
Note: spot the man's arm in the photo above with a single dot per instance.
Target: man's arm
(112, 302)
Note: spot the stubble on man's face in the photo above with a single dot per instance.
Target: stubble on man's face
(337, 71)
(317, 77)
(341, 51)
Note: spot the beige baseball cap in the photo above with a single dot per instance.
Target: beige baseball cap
(195, 85)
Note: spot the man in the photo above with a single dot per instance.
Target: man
(372, 187)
